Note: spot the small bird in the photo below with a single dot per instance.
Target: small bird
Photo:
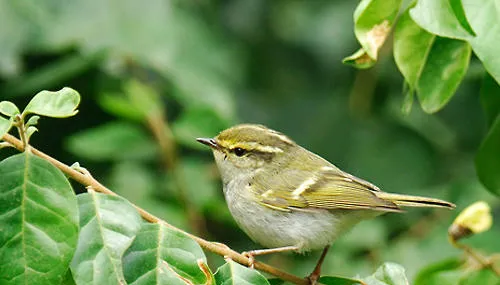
(287, 198)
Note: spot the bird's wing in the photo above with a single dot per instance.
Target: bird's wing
(326, 188)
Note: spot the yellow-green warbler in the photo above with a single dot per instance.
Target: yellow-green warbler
(290, 199)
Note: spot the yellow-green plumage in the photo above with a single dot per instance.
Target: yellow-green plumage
(284, 195)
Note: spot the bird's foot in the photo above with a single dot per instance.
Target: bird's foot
(313, 278)
(251, 258)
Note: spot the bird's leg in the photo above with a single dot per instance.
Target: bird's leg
(314, 276)
(252, 253)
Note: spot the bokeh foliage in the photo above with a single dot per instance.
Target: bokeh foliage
(155, 76)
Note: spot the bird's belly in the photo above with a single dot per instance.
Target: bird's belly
(308, 230)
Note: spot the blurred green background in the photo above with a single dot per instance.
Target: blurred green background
(156, 74)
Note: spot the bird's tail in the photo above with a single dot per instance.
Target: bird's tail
(414, 201)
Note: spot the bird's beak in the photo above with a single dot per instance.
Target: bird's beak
(207, 141)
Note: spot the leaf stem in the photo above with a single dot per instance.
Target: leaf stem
(217, 248)
(486, 262)
(21, 129)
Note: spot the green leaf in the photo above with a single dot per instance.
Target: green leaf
(334, 280)
(388, 274)
(119, 105)
(275, 281)
(431, 65)
(407, 101)
(441, 273)
(32, 121)
(108, 226)
(138, 102)
(445, 67)
(113, 141)
(485, 20)
(233, 273)
(145, 98)
(39, 218)
(68, 279)
(8, 108)
(438, 17)
(360, 59)
(5, 125)
(458, 10)
(30, 131)
(373, 20)
(160, 255)
(57, 104)
(411, 47)
(488, 159)
(490, 98)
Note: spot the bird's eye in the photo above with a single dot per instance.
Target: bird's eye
(239, 151)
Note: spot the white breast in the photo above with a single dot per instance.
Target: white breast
(309, 230)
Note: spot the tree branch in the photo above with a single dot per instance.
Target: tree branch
(217, 248)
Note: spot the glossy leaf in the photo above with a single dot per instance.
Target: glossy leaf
(108, 226)
(438, 17)
(113, 141)
(68, 279)
(485, 21)
(32, 121)
(445, 67)
(160, 255)
(411, 47)
(458, 10)
(431, 65)
(388, 274)
(39, 218)
(30, 131)
(5, 125)
(58, 104)
(8, 108)
(233, 273)
(490, 98)
(373, 20)
(488, 159)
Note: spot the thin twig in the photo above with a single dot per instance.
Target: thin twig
(216, 248)
(484, 261)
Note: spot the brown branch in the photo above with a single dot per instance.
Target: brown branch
(217, 248)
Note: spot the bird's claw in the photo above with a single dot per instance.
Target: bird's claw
(251, 258)
(313, 279)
